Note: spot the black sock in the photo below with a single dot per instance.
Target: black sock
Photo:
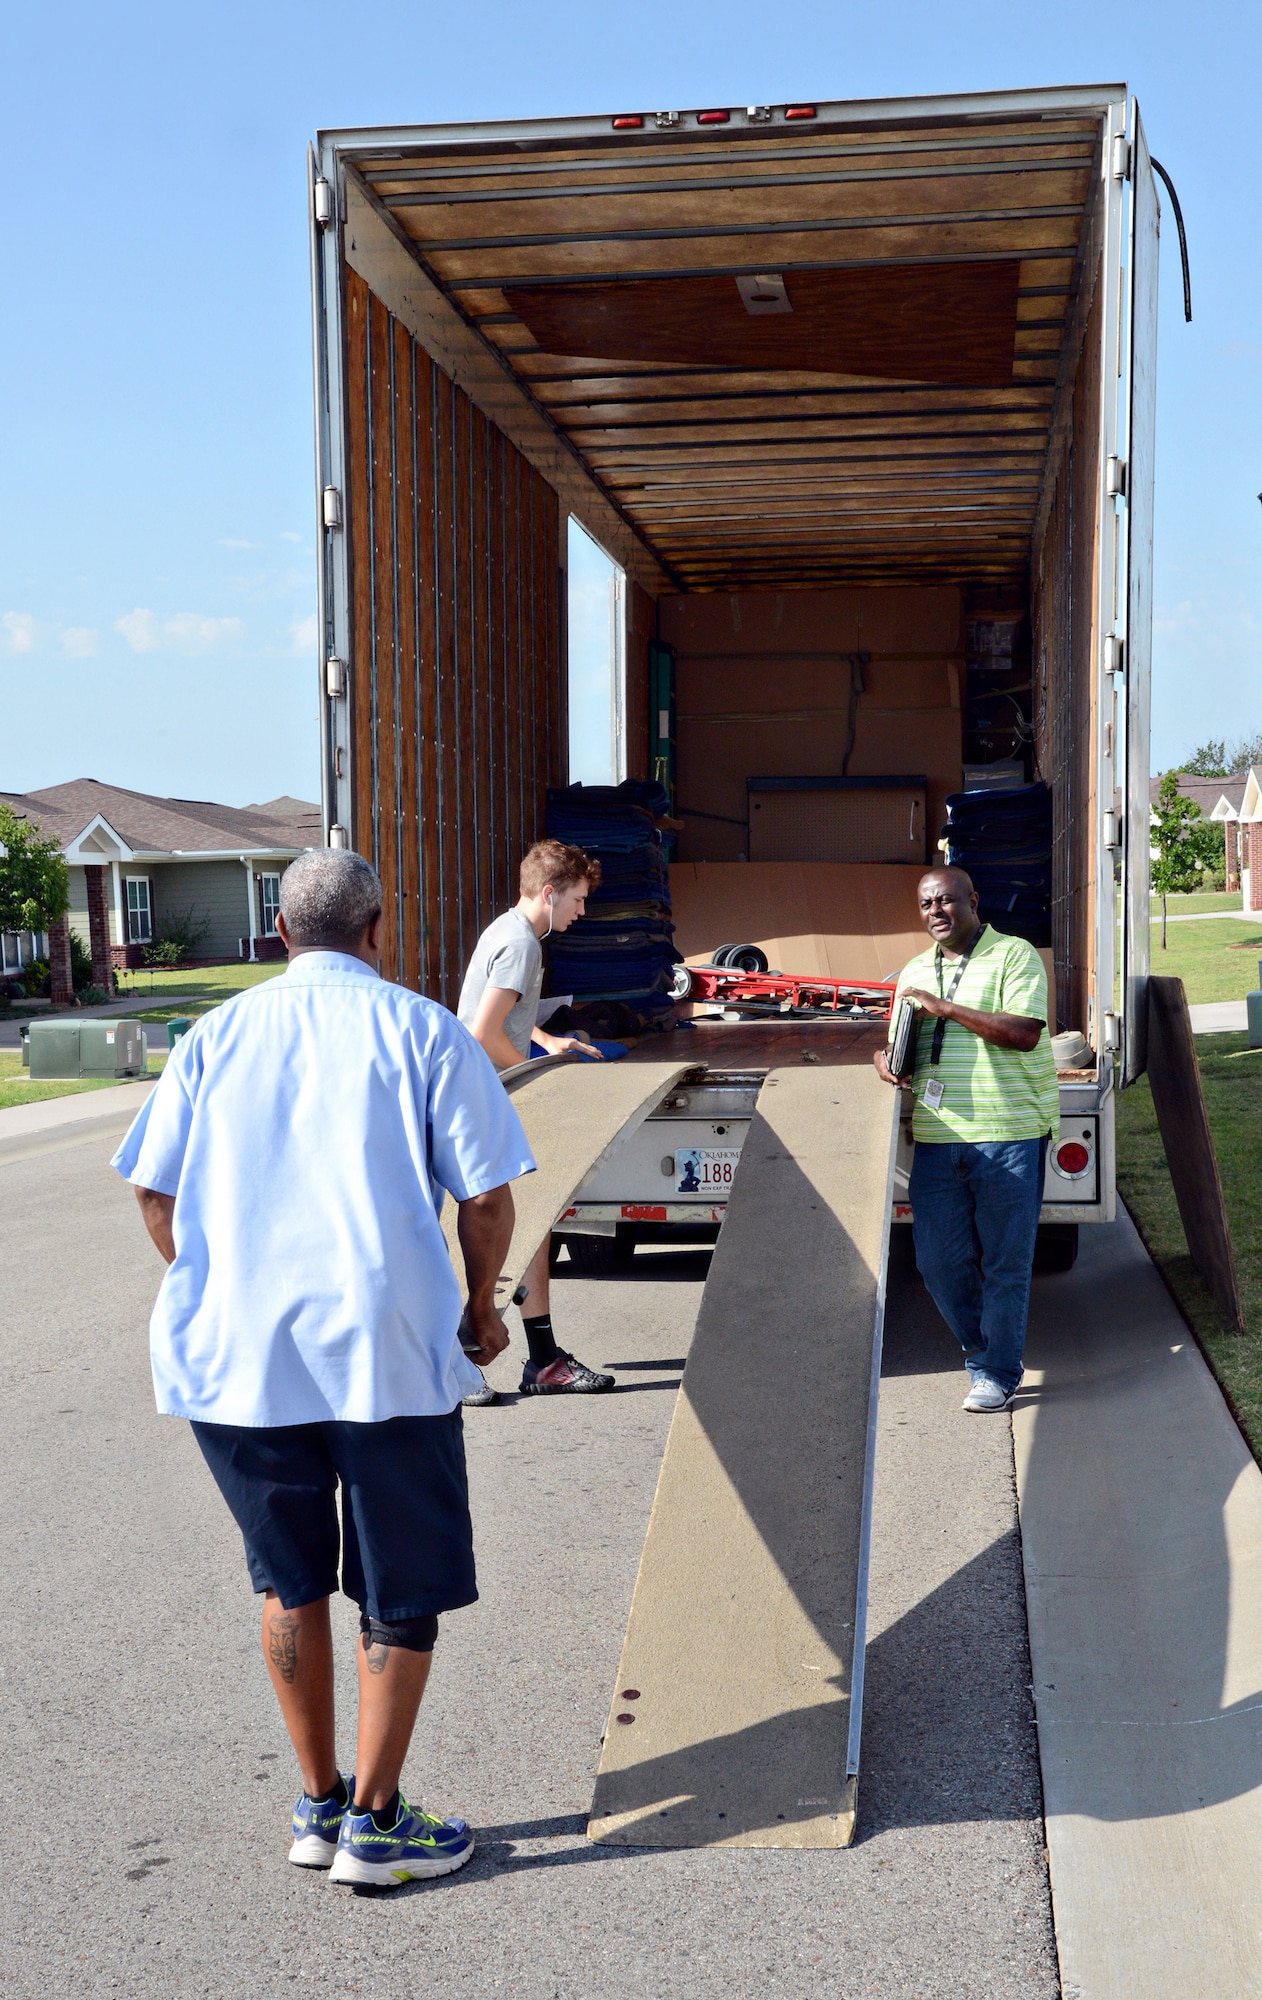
(540, 1339)
(339, 1796)
(385, 1817)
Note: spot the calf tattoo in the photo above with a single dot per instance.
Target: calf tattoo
(282, 1643)
(376, 1657)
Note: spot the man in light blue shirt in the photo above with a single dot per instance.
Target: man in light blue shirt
(290, 1166)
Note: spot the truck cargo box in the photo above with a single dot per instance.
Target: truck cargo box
(860, 398)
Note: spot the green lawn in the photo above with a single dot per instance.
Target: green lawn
(179, 990)
(177, 993)
(16, 1086)
(1183, 906)
(1215, 961)
(1231, 1076)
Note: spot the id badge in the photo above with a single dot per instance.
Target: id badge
(935, 1091)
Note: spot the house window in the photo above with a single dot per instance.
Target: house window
(139, 911)
(269, 902)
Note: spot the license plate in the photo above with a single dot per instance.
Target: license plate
(705, 1169)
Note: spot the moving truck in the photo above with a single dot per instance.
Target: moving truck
(859, 397)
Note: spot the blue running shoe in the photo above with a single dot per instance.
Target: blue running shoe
(317, 1824)
(416, 1847)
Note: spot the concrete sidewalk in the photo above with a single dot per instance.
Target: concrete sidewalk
(11, 1031)
(54, 1123)
(1141, 1520)
(1219, 1017)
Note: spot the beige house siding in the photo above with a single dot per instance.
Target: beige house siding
(215, 891)
(78, 911)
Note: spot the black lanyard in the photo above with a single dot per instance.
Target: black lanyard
(940, 1026)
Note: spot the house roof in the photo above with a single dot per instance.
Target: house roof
(152, 825)
(1209, 793)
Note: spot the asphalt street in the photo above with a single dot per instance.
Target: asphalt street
(149, 1780)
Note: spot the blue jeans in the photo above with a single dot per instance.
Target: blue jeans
(976, 1213)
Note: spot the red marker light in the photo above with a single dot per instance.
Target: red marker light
(713, 117)
(799, 111)
(631, 123)
(1072, 1159)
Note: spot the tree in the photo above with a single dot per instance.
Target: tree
(1245, 753)
(1209, 761)
(1181, 848)
(34, 879)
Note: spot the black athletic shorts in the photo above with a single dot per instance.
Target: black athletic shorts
(406, 1539)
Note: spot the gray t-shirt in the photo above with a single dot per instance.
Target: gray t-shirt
(509, 955)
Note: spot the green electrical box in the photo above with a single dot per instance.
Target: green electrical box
(63, 1049)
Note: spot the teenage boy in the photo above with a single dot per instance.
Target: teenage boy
(285, 1167)
(498, 1005)
(985, 1100)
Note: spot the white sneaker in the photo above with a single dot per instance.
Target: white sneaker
(986, 1395)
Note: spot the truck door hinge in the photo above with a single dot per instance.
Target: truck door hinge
(1115, 476)
(1121, 157)
(335, 678)
(1110, 830)
(1114, 654)
(332, 507)
(322, 201)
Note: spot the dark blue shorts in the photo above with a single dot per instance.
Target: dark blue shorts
(406, 1540)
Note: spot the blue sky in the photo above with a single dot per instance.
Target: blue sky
(156, 543)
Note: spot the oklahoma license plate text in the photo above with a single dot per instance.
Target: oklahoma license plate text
(705, 1169)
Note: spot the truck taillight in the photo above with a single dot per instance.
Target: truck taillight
(1072, 1159)
(631, 123)
(800, 111)
(713, 117)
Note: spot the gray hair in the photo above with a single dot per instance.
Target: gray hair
(329, 896)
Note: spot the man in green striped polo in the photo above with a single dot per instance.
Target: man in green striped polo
(985, 1103)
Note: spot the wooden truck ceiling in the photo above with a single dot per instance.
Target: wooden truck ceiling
(790, 357)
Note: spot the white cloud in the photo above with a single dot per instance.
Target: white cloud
(288, 535)
(184, 632)
(78, 642)
(20, 627)
(237, 542)
(303, 634)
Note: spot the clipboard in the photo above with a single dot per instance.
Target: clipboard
(901, 1051)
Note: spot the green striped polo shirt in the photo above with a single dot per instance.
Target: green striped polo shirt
(991, 1093)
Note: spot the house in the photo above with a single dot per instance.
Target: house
(1221, 798)
(1249, 836)
(141, 866)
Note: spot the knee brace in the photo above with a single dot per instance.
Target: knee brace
(415, 1635)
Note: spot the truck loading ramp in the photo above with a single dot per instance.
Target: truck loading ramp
(573, 1110)
(736, 1716)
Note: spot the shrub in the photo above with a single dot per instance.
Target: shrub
(37, 979)
(80, 963)
(178, 938)
(92, 996)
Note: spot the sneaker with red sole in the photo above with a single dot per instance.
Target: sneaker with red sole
(563, 1377)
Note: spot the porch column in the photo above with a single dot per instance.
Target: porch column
(99, 930)
(120, 910)
(1231, 841)
(59, 962)
(248, 865)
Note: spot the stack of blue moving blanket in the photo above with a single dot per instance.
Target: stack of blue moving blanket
(1004, 840)
(622, 949)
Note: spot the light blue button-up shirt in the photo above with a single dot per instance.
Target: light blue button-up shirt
(307, 1130)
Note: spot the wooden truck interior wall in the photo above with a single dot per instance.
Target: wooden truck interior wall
(457, 648)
